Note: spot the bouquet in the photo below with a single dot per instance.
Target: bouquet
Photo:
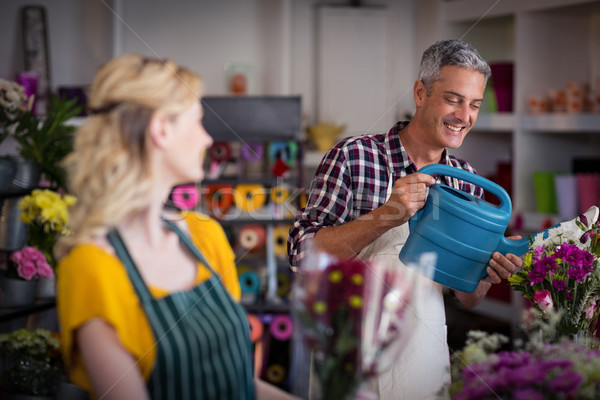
(46, 212)
(533, 370)
(356, 317)
(561, 271)
(29, 263)
(13, 105)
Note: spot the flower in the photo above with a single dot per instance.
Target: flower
(532, 370)
(46, 139)
(354, 316)
(32, 362)
(13, 104)
(30, 264)
(46, 212)
(561, 271)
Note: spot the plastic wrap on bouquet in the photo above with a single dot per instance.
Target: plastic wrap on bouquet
(356, 316)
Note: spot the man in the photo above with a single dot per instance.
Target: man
(367, 188)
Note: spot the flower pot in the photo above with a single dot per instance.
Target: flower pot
(26, 174)
(16, 292)
(46, 288)
(7, 170)
(13, 232)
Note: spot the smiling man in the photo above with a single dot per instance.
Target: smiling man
(367, 188)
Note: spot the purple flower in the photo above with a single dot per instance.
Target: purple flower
(559, 284)
(527, 394)
(586, 236)
(537, 253)
(567, 382)
(574, 256)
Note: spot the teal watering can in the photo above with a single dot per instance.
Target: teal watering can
(462, 229)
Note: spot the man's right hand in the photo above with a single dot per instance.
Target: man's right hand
(408, 196)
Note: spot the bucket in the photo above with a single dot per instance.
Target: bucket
(13, 232)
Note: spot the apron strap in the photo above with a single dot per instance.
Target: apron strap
(191, 246)
(139, 285)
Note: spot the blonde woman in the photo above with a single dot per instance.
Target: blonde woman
(146, 299)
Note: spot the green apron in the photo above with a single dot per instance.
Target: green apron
(202, 336)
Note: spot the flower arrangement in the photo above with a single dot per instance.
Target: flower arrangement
(46, 213)
(32, 362)
(562, 272)
(13, 105)
(30, 264)
(354, 316)
(534, 370)
(45, 140)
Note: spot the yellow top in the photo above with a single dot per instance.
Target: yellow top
(93, 283)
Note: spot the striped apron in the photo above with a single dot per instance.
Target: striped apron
(202, 336)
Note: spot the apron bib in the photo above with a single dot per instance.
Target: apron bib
(202, 336)
(424, 366)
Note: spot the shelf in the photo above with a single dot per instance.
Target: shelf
(7, 314)
(495, 122)
(572, 123)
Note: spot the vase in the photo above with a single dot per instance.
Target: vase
(13, 231)
(46, 288)
(16, 292)
(7, 170)
(26, 173)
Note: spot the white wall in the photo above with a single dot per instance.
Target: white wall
(277, 37)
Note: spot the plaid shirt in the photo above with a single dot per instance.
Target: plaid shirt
(352, 180)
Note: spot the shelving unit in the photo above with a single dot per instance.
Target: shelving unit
(271, 127)
(551, 42)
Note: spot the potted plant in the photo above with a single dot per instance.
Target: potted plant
(32, 365)
(18, 284)
(47, 140)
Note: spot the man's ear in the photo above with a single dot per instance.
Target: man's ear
(159, 130)
(419, 93)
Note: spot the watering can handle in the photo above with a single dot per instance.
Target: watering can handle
(495, 189)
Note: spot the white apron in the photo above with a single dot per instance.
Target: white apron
(424, 366)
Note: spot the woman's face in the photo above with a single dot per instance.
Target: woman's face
(189, 144)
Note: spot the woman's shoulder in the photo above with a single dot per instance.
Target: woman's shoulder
(89, 258)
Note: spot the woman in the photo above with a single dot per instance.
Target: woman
(147, 299)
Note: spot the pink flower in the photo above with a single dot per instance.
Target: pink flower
(590, 309)
(543, 299)
(44, 270)
(27, 270)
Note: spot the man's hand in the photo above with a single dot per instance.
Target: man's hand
(503, 266)
(408, 196)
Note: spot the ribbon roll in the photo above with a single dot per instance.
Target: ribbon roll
(280, 237)
(275, 373)
(256, 328)
(252, 152)
(281, 327)
(283, 284)
(286, 151)
(279, 194)
(249, 197)
(252, 237)
(185, 197)
(220, 152)
(249, 282)
(219, 199)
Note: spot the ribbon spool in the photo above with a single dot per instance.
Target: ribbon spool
(252, 237)
(252, 152)
(249, 282)
(283, 284)
(286, 151)
(219, 199)
(280, 237)
(249, 197)
(185, 197)
(281, 327)
(279, 194)
(275, 373)
(256, 328)
(220, 152)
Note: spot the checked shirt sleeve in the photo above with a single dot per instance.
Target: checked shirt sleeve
(327, 205)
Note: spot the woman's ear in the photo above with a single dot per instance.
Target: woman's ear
(159, 130)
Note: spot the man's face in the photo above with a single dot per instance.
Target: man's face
(451, 109)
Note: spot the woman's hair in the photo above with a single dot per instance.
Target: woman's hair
(109, 170)
(450, 52)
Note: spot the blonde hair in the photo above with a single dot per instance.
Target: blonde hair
(109, 169)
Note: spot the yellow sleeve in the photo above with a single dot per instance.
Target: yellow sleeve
(210, 238)
(92, 283)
